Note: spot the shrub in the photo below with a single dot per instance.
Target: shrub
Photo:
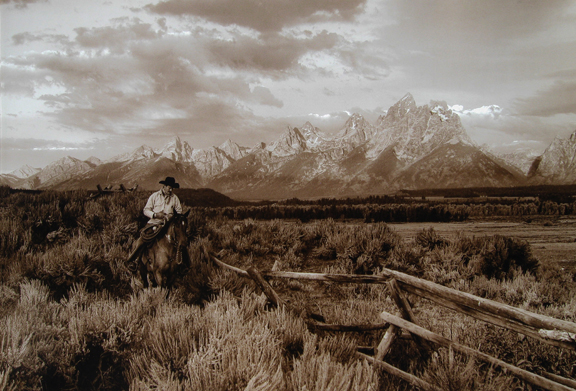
(458, 373)
(316, 369)
(5, 191)
(32, 353)
(359, 249)
(499, 256)
(13, 237)
(288, 261)
(74, 317)
(429, 239)
(465, 258)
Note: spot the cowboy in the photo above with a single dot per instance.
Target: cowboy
(159, 208)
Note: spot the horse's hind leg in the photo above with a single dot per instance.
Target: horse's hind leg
(159, 278)
(170, 279)
(144, 276)
(144, 272)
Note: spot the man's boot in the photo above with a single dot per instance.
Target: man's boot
(137, 246)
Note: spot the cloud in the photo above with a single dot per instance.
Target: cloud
(263, 16)
(265, 97)
(503, 130)
(364, 58)
(488, 22)
(476, 47)
(115, 36)
(27, 37)
(486, 112)
(211, 122)
(328, 92)
(128, 77)
(560, 98)
(563, 73)
(38, 152)
(18, 80)
(22, 38)
(273, 54)
(22, 3)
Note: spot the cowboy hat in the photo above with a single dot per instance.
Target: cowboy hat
(169, 181)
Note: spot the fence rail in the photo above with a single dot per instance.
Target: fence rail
(553, 331)
(556, 332)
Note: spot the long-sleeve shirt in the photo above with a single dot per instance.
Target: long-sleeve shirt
(158, 202)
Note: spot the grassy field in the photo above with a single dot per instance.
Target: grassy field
(73, 316)
(552, 240)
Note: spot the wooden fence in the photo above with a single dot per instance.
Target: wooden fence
(111, 190)
(549, 330)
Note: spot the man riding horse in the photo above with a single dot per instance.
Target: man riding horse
(160, 209)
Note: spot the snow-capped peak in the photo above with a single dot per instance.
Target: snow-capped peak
(408, 98)
(178, 151)
(404, 106)
(355, 121)
(313, 136)
(25, 171)
(142, 152)
(290, 142)
(441, 110)
(232, 149)
(94, 160)
(309, 130)
(558, 161)
(356, 130)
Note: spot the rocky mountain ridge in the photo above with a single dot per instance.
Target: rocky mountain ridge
(410, 147)
(557, 164)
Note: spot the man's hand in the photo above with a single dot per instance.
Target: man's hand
(159, 215)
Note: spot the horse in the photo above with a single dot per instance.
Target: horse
(161, 258)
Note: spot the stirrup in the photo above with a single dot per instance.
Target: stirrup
(132, 266)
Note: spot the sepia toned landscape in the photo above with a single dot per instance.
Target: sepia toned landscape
(75, 315)
(376, 195)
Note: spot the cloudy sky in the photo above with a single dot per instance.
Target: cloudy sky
(100, 78)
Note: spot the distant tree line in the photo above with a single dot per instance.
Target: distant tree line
(375, 209)
(393, 212)
(366, 212)
(557, 192)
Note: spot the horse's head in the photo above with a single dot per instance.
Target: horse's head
(177, 231)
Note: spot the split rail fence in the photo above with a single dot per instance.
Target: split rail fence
(549, 330)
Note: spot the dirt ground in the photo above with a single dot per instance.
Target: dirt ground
(552, 239)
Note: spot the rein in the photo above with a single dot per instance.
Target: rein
(173, 239)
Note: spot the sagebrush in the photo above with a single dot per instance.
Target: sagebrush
(74, 316)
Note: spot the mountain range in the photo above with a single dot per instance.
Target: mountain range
(410, 147)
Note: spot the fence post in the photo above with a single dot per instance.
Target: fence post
(386, 342)
(527, 376)
(411, 379)
(405, 310)
(266, 288)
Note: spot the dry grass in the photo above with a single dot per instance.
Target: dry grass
(72, 315)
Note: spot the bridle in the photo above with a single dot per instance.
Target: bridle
(173, 237)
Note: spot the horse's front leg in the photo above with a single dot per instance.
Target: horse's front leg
(144, 269)
(161, 268)
(159, 278)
